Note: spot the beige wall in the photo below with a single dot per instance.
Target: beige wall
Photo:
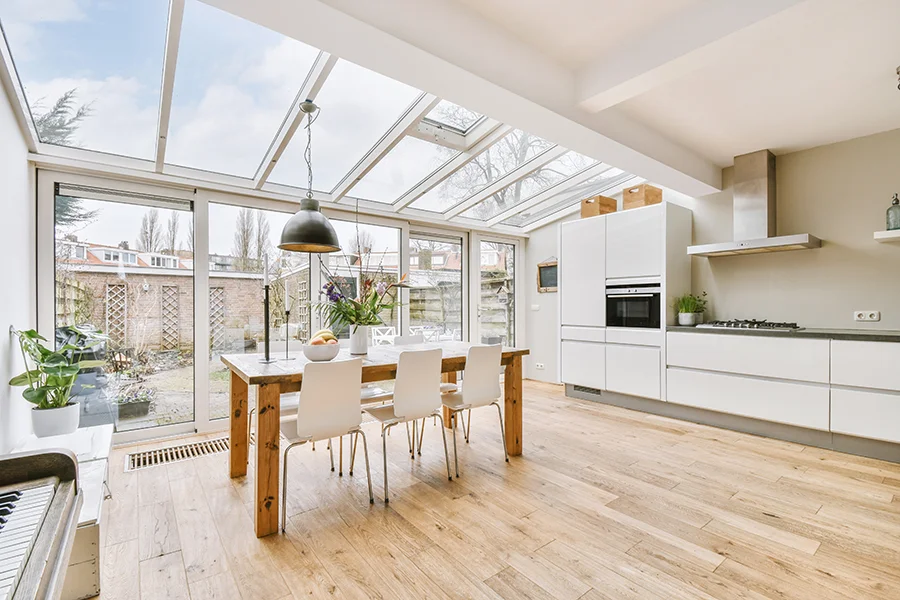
(838, 193)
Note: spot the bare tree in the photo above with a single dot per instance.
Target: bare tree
(150, 235)
(190, 236)
(362, 243)
(171, 233)
(261, 240)
(243, 241)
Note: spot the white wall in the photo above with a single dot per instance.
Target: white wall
(17, 270)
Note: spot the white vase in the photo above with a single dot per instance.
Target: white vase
(690, 319)
(55, 421)
(359, 339)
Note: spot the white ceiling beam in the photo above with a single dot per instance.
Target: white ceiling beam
(492, 73)
(404, 125)
(9, 81)
(319, 72)
(170, 60)
(614, 188)
(557, 189)
(450, 167)
(506, 180)
(668, 51)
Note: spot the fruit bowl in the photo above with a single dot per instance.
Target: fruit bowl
(321, 352)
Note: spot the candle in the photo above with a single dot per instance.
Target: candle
(266, 270)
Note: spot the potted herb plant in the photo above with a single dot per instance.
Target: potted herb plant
(49, 380)
(690, 309)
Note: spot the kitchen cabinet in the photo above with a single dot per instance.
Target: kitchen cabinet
(633, 370)
(865, 364)
(582, 272)
(759, 355)
(866, 413)
(791, 403)
(584, 363)
(634, 241)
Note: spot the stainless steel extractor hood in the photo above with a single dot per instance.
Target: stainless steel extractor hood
(754, 212)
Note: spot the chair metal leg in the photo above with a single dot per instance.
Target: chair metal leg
(284, 486)
(331, 454)
(368, 472)
(384, 451)
(446, 454)
(468, 425)
(341, 456)
(502, 431)
(353, 444)
(421, 431)
(453, 432)
(408, 439)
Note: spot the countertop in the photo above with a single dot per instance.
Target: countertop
(866, 335)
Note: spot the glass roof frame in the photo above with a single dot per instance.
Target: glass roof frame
(479, 137)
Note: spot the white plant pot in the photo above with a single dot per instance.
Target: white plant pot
(55, 421)
(359, 339)
(690, 319)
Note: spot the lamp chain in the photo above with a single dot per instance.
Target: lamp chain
(307, 154)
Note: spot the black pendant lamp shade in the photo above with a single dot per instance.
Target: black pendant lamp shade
(309, 231)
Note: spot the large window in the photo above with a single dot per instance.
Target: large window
(436, 294)
(147, 316)
(497, 310)
(240, 242)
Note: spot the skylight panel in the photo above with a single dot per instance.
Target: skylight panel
(357, 107)
(510, 152)
(550, 174)
(91, 70)
(453, 115)
(408, 163)
(234, 85)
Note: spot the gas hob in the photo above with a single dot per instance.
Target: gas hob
(751, 324)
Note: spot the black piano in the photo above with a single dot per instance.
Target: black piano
(39, 506)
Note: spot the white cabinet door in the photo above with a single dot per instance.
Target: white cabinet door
(582, 272)
(800, 404)
(633, 370)
(634, 243)
(866, 414)
(865, 364)
(583, 363)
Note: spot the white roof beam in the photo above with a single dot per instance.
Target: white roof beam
(506, 180)
(668, 51)
(453, 165)
(559, 188)
(319, 72)
(170, 60)
(404, 125)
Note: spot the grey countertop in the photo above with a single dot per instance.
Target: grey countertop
(867, 335)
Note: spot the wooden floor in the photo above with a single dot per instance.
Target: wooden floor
(604, 503)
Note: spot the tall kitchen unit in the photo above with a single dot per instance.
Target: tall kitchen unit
(618, 276)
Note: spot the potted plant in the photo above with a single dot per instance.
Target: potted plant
(134, 401)
(50, 381)
(690, 309)
(340, 311)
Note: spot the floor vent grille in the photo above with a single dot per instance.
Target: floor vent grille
(586, 390)
(171, 454)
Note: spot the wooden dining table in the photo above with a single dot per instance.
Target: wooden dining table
(286, 376)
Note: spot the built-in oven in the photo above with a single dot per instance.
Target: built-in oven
(634, 305)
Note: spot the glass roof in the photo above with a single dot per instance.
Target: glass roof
(234, 83)
(92, 73)
(356, 108)
(91, 70)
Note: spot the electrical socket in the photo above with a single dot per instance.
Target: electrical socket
(867, 315)
(539, 366)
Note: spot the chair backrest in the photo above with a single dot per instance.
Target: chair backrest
(381, 336)
(482, 380)
(417, 390)
(329, 399)
(405, 340)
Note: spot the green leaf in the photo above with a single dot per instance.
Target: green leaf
(25, 378)
(35, 395)
(66, 371)
(90, 364)
(55, 358)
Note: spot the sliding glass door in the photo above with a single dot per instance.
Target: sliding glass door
(436, 296)
(496, 295)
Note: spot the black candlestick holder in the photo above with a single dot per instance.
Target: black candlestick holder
(267, 358)
(287, 336)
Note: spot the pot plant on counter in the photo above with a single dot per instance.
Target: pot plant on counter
(690, 309)
(49, 380)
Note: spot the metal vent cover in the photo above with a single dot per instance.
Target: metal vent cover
(587, 390)
(144, 459)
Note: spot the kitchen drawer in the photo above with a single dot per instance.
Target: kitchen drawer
(635, 336)
(800, 404)
(866, 364)
(633, 370)
(583, 334)
(763, 356)
(866, 414)
(584, 363)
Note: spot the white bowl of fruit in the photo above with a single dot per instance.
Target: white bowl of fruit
(322, 346)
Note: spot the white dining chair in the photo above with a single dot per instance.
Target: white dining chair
(480, 388)
(406, 340)
(328, 408)
(381, 336)
(417, 395)
(419, 338)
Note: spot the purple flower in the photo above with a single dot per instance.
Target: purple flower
(334, 294)
(381, 288)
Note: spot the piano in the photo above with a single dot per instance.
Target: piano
(39, 506)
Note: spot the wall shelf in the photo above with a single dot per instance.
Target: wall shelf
(888, 236)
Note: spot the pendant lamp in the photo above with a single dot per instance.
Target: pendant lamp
(309, 230)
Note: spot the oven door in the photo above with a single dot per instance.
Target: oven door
(633, 307)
